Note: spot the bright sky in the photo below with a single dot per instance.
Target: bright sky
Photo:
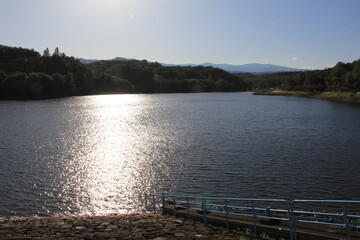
(293, 33)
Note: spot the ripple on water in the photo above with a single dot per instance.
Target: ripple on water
(101, 154)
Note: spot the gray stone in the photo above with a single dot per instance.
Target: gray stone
(200, 236)
(80, 228)
(8, 225)
(101, 235)
(113, 226)
(179, 235)
(66, 226)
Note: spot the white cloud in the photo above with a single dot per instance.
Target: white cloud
(294, 58)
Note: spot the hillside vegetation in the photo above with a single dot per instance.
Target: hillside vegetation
(341, 82)
(153, 77)
(26, 74)
(343, 77)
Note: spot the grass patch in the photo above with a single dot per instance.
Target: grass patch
(340, 96)
(349, 97)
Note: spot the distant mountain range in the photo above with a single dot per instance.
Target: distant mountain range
(88, 61)
(250, 67)
(253, 68)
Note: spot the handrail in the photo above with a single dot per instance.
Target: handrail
(344, 219)
(221, 198)
(325, 201)
(248, 207)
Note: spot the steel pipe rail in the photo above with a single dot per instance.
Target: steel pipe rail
(300, 216)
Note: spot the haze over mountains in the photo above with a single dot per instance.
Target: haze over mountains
(88, 61)
(250, 67)
(253, 68)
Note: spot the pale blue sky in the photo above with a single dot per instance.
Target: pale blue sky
(293, 33)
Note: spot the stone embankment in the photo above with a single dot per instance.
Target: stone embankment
(132, 226)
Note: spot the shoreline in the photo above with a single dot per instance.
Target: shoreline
(347, 97)
(114, 226)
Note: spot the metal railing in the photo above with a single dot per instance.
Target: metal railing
(333, 213)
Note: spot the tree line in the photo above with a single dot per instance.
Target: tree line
(343, 77)
(149, 77)
(25, 73)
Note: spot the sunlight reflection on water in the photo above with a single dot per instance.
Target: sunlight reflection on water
(105, 174)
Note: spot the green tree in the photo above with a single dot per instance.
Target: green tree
(14, 85)
(222, 85)
(56, 52)
(46, 53)
(40, 84)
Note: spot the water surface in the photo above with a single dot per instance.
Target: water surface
(101, 154)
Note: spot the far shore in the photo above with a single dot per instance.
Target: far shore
(348, 97)
(114, 226)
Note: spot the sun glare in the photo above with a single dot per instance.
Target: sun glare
(107, 10)
(109, 157)
(116, 99)
(106, 4)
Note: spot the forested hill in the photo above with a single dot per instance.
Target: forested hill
(27, 74)
(343, 77)
(151, 77)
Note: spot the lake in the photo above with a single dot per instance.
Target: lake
(101, 154)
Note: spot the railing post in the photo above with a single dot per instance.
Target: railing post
(227, 215)
(175, 206)
(346, 222)
(254, 218)
(163, 203)
(154, 203)
(146, 205)
(292, 228)
(187, 208)
(203, 206)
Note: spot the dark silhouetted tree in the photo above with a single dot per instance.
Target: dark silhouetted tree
(56, 52)
(46, 52)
